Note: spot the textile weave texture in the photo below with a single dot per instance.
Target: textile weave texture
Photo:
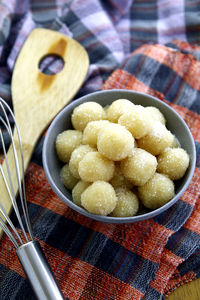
(125, 43)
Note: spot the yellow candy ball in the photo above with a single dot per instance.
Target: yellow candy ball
(157, 140)
(118, 108)
(99, 198)
(139, 167)
(157, 191)
(66, 142)
(76, 157)
(115, 142)
(155, 114)
(67, 178)
(173, 162)
(94, 166)
(137, 122)
(91, 131)
(77, 191)
(119, 180)
(127, 203)
(85, 113)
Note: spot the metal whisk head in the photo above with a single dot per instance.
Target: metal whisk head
(29, 253)
(8, 227)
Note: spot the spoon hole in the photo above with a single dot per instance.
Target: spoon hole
(51, 64)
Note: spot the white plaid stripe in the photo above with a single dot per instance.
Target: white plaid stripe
(171, 21)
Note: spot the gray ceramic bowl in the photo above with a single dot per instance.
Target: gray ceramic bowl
(175, 124)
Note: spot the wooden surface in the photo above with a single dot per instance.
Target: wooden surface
(38, 97)
(189, 291)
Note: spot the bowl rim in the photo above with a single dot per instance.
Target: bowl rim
(109, 219)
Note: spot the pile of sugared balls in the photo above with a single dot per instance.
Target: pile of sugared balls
(120, 157)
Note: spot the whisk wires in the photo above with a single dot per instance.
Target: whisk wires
(12, 232)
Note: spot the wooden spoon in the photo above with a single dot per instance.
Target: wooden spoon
(38, 97)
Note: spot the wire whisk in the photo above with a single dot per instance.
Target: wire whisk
(28, 249)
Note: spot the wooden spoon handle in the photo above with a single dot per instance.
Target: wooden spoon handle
(5, 200)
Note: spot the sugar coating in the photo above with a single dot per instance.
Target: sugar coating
(157, 191)
(115, 142)
(155, 114)
(139, 167)
(85, 113)
(173, 162)
(137, 122)
(67, 178)
(76, 157)
(66, 142)
(91, 131)
(78, 189)
(99, 198)
(127, 203)
(94, 166)
(119, 180)
(157, 140)
(118, 108)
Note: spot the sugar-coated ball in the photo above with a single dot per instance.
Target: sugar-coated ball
(137, 122)
(119, 180)
(127, 203)
(157, 191)
(173, 162)
(99, 198)
(66, 142)
(157, 140)
(139, 167)
(78, 189)
(85, 113)
(94, 166)
(91, 131)
(76, 157)
(115, 142)
(67, 178)
(118, 108)
(155, 114)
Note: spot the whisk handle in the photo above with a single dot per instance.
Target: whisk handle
(38, 271)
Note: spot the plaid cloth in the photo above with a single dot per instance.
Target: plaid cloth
(125, 41)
